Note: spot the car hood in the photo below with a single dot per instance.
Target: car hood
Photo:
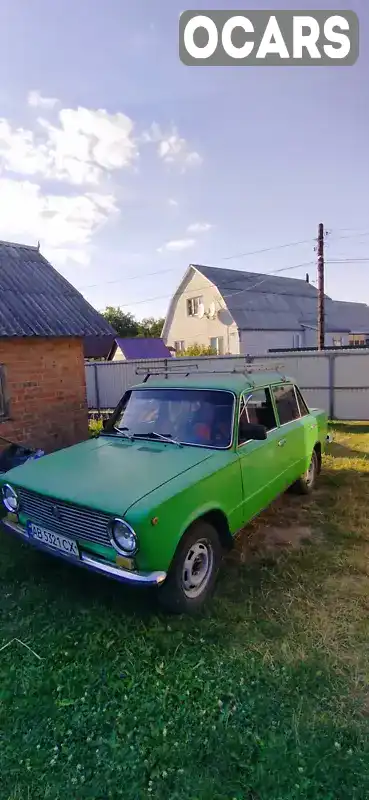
(108, 474)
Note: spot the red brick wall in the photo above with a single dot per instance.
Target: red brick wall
(45, 384)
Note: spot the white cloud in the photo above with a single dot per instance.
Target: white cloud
(80, 150)
(36, 100)
(177, 245)
(63, 224)
(199, 227)
(171, 147)
(172, 202)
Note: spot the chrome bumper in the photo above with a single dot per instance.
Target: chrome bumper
(89, 562)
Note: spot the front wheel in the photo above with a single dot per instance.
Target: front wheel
(193, 572)
(306, 484)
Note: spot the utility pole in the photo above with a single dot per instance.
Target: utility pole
(321, 320)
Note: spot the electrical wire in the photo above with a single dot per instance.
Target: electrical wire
(173, 269)
(248, 289)
(347, 261)
(225, 258)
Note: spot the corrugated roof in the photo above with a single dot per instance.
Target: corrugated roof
(35, 300)
(142, 348)
(97, 346)
(257, 301)
(354, 315)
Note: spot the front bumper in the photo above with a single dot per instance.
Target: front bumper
(93, 564)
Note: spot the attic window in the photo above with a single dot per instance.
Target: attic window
(4, 405)
(193, 305)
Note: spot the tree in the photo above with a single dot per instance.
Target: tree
(197, 350)
(127, 326)
(124, 323)
(151, 327)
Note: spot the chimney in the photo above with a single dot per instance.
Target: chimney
(307, 278)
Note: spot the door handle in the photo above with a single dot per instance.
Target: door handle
(281, 442)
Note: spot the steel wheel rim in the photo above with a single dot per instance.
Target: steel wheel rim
(197, 568)
(310, 475)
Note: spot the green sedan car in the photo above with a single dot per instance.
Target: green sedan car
(182, 465)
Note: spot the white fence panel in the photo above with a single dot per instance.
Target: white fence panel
(352, 371)
(352, 404)
(337, 381)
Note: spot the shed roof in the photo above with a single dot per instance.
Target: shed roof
(97, 346)
(35, 300)
(140, 347)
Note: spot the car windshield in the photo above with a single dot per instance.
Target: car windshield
(190, 416)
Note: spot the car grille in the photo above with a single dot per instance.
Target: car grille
(78, 522)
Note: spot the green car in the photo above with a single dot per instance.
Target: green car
(182, 465)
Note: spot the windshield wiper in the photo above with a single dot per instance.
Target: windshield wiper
(125, 432)
(163, 437)
(120, 431)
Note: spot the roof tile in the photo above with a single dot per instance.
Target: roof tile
(35, 300)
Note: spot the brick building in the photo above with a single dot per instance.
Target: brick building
(44, 322)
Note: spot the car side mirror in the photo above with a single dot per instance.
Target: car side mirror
(105, 423)
(257, 433)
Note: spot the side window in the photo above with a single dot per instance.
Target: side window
(286, 403)
(4, 405)
(257, 409)
(303, 407)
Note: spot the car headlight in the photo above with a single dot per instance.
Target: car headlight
(123, 537)
(10, 498)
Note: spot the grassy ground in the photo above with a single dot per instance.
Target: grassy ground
(266, 697)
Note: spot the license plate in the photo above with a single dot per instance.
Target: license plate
(55, 540)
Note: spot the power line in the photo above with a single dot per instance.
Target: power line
(248, 289)
(348, 261)
(267, 249)
(173, 269)
(225, 258)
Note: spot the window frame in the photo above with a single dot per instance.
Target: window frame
(300, 399)
(249, 395)
(125, 398)
(190, 305)
(4, 398)
(283, 386)
(217, 339)
(180, 342)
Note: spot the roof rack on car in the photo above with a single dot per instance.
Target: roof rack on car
(185, 370)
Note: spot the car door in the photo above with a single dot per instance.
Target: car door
(262, 462)
(294, 435)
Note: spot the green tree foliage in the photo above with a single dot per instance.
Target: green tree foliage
(126, 325)
(151, 327)
(197, 350)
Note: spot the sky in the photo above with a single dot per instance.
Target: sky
(128, 165)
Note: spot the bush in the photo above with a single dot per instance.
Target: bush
(197, 350)
(94, 427)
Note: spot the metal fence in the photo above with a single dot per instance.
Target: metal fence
(337, 381)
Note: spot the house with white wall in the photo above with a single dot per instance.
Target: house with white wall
(243, 313)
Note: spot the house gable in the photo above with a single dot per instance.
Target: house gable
(183, 327)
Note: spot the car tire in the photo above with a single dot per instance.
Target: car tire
(193, 572)
(306, 484)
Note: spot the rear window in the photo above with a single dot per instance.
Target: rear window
(286, 402)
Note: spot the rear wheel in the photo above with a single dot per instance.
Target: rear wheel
(306, 484)
(193, 572)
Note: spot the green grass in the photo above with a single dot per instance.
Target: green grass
(264, 697)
